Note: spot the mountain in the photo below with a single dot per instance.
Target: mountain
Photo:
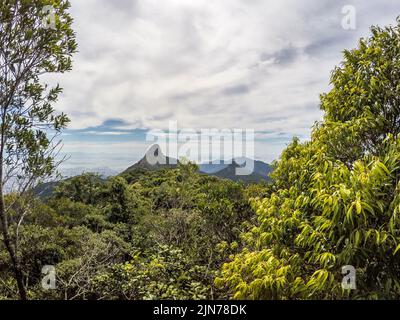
(220, 169)
(211, 168)
(260, 167)
(260, 172)
(157, 161)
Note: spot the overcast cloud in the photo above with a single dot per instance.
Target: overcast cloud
(256, 64)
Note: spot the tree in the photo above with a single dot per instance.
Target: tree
(335, 200)
(163, 273)
(122, 202)
(363, 106)
(84, 188)
(27, 152)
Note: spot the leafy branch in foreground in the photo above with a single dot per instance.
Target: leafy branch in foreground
(335, 199)
(27, 118)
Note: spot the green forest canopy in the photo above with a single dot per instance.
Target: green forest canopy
(335, 199)
(177, 234)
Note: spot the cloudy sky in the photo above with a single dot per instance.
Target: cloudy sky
(256, 64)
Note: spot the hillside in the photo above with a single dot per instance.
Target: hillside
(175, 218)
(219, 169)
(260, 172)
(154, 152)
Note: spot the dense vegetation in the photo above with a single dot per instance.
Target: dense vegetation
(335, 200)
(30, 51)
(154, 235)
(175, 233)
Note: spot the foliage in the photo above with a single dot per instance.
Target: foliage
(29, 125)
(83, 188)
(28, 51)
(176, 234)
(163, 235)
(166, 273)
(335, 199)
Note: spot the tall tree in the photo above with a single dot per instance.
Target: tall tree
(335, 200)
(32, 44)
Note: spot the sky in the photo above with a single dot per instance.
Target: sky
(224, 64)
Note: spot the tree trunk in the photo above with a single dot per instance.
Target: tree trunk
(13, 256)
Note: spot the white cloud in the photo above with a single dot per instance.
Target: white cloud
(225, 64)
(106, 133)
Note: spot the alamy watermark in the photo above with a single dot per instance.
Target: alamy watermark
(349, 279)
(49, 19)
(349, 20)
(49, 278)
(204, 146)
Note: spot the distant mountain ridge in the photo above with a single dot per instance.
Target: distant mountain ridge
(158, 161)
(221, 169)
(260, 172)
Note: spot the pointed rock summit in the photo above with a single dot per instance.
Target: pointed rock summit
(153, 160)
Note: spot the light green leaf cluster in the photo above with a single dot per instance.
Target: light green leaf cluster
(335, 199)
